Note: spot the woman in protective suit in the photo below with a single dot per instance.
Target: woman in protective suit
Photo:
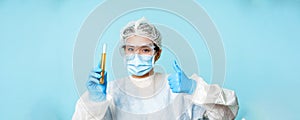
(146, 94)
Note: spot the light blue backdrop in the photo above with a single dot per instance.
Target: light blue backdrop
(261, 41)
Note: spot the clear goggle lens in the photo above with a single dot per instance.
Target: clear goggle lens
(130, 50)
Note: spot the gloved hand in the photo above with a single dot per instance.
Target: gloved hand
(180, 83)
(97, 91)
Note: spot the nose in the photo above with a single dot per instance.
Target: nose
(136, 60)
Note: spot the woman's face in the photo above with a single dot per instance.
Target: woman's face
(138, 41)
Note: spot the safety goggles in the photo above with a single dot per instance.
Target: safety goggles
(130, 49)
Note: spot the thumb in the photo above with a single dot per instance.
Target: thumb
(176, 67)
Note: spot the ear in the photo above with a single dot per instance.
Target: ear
(157, 56)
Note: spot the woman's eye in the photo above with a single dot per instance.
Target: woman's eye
(146, 50)
(130, 49)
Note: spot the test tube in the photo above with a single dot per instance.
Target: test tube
(103, 59)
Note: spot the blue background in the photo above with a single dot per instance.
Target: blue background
(261, 41)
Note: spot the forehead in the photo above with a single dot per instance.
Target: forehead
(138, 40)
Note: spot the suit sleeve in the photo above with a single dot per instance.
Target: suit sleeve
(86, 109)
(220, 104)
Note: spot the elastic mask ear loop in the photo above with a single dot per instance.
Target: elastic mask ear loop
(153, 64)
(153, 61)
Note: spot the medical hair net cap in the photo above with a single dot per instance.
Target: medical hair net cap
(141, 28)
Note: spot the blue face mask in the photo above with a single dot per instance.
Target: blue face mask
(139, 65)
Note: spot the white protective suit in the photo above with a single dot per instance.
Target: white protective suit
(152, 99)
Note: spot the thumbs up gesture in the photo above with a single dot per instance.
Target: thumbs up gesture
(180, 83)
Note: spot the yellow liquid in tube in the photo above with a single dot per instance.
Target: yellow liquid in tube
(103, 59)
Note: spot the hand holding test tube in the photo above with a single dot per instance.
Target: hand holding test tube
(96, 83)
